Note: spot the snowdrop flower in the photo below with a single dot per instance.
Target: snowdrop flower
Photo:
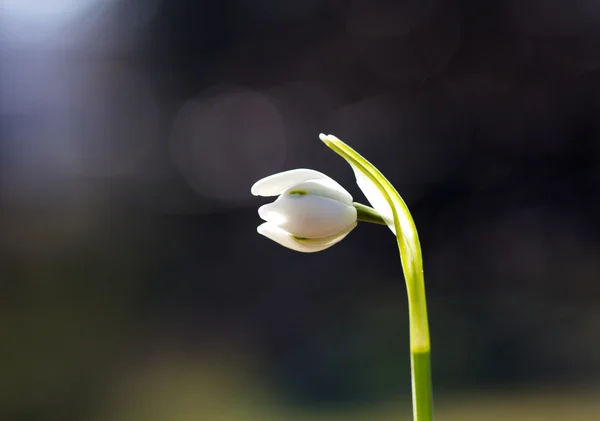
(312, 212)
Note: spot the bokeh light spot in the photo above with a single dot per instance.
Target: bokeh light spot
(222, 143)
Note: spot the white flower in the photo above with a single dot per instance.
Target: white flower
(312, 212)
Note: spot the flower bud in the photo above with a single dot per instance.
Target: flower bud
(312, 212)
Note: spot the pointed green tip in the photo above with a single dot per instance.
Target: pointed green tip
(329, 140)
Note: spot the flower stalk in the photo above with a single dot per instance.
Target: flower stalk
(368, 214)
(380, 192)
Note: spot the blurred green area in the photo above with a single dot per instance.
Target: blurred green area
(92, 331)
(178, 389)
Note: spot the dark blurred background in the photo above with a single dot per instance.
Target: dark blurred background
(133, 285)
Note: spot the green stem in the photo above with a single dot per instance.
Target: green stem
(420, 364)
(368, 214)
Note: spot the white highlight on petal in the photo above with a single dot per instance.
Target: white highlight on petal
(272, 215)
(330, 240)
(323, 188)
(276, 184)
(308, 216)
(282, 237)
(285, 239)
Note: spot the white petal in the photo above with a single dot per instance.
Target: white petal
(329, 241)
(375, 197)
(323, 188)
(308, 216)
(282, 237)
(276, 184)
(305, 246)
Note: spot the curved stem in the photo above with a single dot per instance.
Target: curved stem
(412, 264)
